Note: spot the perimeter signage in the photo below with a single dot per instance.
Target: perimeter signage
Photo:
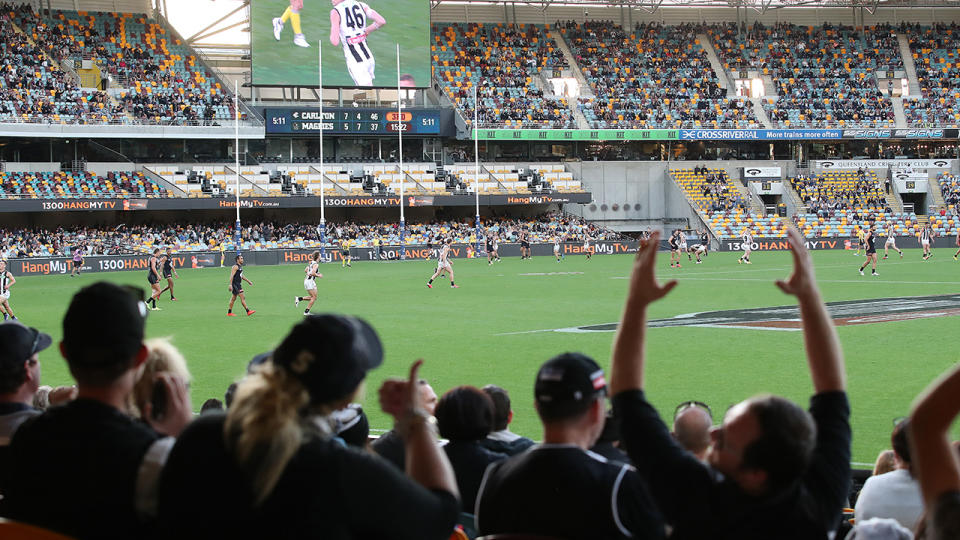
(577, 134)
(710, 134)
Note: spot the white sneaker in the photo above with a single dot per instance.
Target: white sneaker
(861, 272)
(300, 41)
(876, 274)
(277, 28)
(296, 301)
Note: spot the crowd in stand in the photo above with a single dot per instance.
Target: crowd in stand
(937, 73)
(289, 455)
(950, 189)
(652, 76)
(501, 62)
(866, 194)
(154, 89)
(128, 239)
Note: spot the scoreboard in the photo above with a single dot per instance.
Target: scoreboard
(350, 121)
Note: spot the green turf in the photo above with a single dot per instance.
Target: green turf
(468, 335)
(283, 63)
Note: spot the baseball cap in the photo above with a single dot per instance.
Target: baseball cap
(329, 354)
(104, 316)
(567, 384)
(18, 343)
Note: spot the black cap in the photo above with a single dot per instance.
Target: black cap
(104, 316)
(567, 385)
(258, 360)
(329, 354)
(18, 343)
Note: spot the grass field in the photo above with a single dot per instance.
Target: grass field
(488, 330)
(283, 63)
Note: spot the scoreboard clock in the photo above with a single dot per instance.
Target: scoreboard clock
(344, 121)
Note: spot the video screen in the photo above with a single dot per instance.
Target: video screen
(359, 42)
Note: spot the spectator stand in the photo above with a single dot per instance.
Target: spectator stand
(720, 205)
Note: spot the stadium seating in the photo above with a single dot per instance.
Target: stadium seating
(502, 61)
(653, 76)
(726, 213)
(950, 189)
(60, 185)
(844, 190)
(843, 223)
(825, 76)
(153, 76)
(935, 54)
(34, 89)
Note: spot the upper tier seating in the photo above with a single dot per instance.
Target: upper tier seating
(653, 76)
(157, 77)
(825, 76)
(936, 53)
(502, 62)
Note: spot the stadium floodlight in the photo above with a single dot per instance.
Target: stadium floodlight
(476, 158)
(403, 232)
(236, 156)
(323, 220)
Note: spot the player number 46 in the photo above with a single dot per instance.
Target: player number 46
(356, 19)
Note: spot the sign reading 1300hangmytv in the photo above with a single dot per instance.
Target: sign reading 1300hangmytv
(343, 121)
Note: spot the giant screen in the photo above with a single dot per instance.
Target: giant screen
(359, 38)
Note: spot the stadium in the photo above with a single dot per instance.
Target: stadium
(488, 184)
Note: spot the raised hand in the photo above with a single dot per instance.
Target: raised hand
(398, 397)
(802, 281)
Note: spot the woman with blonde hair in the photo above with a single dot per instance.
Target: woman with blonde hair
(272, 468)
(146, 400)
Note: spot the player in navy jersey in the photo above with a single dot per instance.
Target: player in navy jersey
(169, 272)
(869, 241)
(236, 287)
(153, 278)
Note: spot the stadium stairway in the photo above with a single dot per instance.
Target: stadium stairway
(769, 88)
(908, 65)
(229, 171)
(586, 91)
(717, 66)
(936, 196)
(172, 189)
(756, 207)
(893, 201)
(760, 112)
(899, 115)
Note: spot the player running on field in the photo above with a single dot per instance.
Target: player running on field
(747, 246)
(6, 281)
(77, 260)
(891, 242)
(153, 278)
(312, 272)
(345, 254)
(292, 13)
(169, 272)
(556, 247)
(674, 242)
(444, 264)
(870, 246)
(348, 27)
(236, 287)
(926, 240)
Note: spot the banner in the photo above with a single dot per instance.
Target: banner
(577, 134)
(217, 203)
(212, 259)
(882, 163)
(921, 133)
(781, 244)
(759, 134)
(751, 173)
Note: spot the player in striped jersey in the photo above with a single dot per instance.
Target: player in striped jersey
(891, 242)
(926, 240)
(310, 282)
(348, 27)
(747, 246)
(6, 281)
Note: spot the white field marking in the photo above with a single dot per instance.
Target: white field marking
(788, 268)
(540, 274)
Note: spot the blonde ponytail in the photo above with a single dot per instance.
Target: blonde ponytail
(263, 429)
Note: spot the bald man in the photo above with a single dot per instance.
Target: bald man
(691, 429)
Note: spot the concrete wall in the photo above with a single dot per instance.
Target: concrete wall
(23, 166)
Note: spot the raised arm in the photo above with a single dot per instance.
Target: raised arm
(427, 463)
(378, 19)
(934, 461)
(824, 355)
(334, 27)
(626, 373)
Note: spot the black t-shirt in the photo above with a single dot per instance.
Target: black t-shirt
(77, 469)
(326, 491)
(700, 503)
(390, 447)
(566, 492)
(470, 460)
(237, 276)
(871, 248)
